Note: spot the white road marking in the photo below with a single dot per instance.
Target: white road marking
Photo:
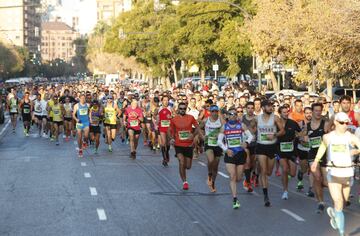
(5, 127)
(83, 164)
(87, 175)
(75, 142)
(293, 215)
(202, 163)
(223, 175)
(101, 214)
(93, 191)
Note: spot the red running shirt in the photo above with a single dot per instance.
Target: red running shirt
(133, 117)
(181, 129)
(164, 119)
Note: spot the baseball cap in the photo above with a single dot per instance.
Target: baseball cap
(214, 108)
(342, 117)
(266, 103)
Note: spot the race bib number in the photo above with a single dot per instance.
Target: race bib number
(108, 115)
(315, 142)
(264, 137)
(26, 110)
(338, 148)
(56, 112)
(212, 141)
(184, 135)
(38, 109)
(83, 112)
(165, 123)
(287, 147)
(134, 123)
(234, 142)
(306, 144)
(79, 125)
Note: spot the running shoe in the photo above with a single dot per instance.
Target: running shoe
(64, 136)
(122, 140)
(96, 151)
(52, 139)
(44, 135)
(185, 185)
(84, 145)
(164, 163)
(13, 131)
(145, 143)
(80, 153)
(110, 148)
(247, 186)
(330, 211)
(300, 186)
(285, 196)
(321, 208)
(310, 193)
(127, 141)
(267, 201)
(212, 187)
(57, 143)
(236, 205)
(277, 173)
(27, 134)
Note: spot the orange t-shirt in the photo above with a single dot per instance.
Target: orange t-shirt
(181, 128)
(297, 117)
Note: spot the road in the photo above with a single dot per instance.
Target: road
(47, 190)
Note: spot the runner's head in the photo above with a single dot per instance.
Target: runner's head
(109, 99)
(257, 104)
(165, 101)
(232, 115)
(56, 99)
(239, 111)
(250, 108)
(95, 103)
(298, 106)
(134, 103)
(38, 96)
(67, 99)
(267, 107)
(27, 94)
(182, 108)
(341, 122)
(284, 112)
(82, 98)
(336, 106)
(214, 111)
(317, 109)
(345, 103)
(307, 113)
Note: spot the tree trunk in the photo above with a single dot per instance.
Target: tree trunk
(329, 87)
(202, 75)
(173, 67)
(273, 81)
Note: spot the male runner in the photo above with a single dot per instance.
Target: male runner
(58, 115)
(13, 106)
(110, 113)
(81, 116)
(182, 134)
(164, 119)
(269, 128)
(338, 145)
(68, 109)
(95, 116)
(234, 133)
(26, 107)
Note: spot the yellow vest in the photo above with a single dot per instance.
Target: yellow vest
(110, 115)
(51, 104)
(57, 116)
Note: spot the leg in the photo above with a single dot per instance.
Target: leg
(336, 192)
(188, 162)
(79, 138)
(285, 171)
(182, 166)
(231, 169)
(136, 141)
(86, 134)
(131, 137)
(263, 170)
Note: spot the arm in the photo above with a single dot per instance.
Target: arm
(280, 126)
(220, 140)
(74, 113)
(320, 153)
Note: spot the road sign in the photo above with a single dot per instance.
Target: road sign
(215, 67)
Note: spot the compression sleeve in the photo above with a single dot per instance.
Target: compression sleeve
(221, 143)
(321, 151)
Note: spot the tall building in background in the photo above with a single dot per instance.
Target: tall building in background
(20, 24)
(57, 41)
(110, 9)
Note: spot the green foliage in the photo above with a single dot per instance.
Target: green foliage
(11, 61)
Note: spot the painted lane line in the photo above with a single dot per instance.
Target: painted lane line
(223, 175)
(293, 215)
(101, 214)
(93, 191)
(87, 175)
(5, 127)
(202, 163)
(83, 164)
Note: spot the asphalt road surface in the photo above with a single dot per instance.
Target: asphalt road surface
(47, 190)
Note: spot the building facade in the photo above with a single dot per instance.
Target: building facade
(20, 24)
(107, 10)
(57, 41)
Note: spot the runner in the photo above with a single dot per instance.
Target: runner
(266, 148)
(58, 115)
(40, 120)
(133, 117)
(249, 119)
(212, 126)
(303, 149)
(164, 118)
(95, 116)
(26, 107)
(50, 103)
(234, 133)
(182, 135)
(81, 116)
(338, 145)
(13, 107)
(68, 109)
(110, 112)
(286, 148)
(316, 128)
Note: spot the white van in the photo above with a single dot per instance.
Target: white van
(111, 79)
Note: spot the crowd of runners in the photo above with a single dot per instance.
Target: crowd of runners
(300, 137)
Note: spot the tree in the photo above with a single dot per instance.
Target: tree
(10, 60)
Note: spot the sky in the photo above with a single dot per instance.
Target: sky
(84, 9)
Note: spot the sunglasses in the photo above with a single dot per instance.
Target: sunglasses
(182, 109)
(232, 114)
(343, 122)
(214, 111)
(239, 111)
